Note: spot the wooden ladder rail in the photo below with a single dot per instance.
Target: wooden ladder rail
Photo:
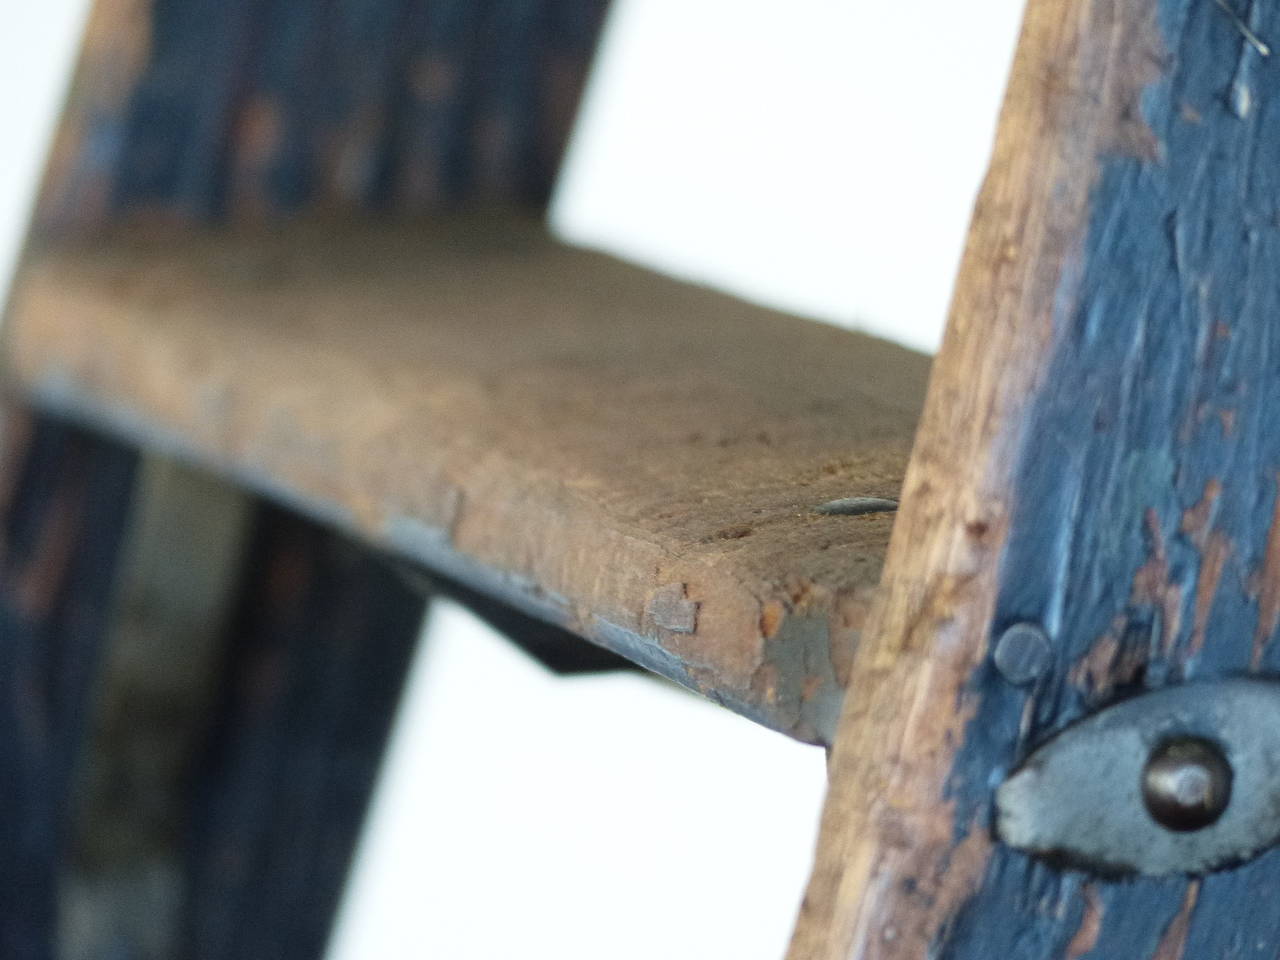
(1097, 458)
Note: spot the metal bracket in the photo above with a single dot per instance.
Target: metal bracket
(1180, 780)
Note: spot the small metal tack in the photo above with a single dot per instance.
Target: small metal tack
(1250, 37)
(856, 506)
(1023, 654)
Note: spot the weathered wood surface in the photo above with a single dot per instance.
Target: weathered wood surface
(64, 497)
(621, 454)
(1098, 455)
(244, 109)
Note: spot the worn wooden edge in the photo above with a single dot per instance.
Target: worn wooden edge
(892, 866)
(691, 605)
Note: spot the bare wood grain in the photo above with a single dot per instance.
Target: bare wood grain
(627, 456)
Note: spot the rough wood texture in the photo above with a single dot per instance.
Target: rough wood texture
(64, 496)
(1098, 454)
(249, 109)
(618, 453)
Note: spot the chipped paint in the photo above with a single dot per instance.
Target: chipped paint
(1268, 587)
(1154, 585)
(671, 609)
(1217, 550)
(1086, 937)
(1173, 944)
(1158, 403)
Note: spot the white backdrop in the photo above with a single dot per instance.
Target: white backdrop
(38, 40)
(607, 818)
(820, 156)
(817, 155)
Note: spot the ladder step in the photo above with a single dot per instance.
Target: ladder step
(646, 463)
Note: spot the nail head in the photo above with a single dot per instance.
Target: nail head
(1186, 784)
(1023, 654)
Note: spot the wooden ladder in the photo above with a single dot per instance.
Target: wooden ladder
(287, 292)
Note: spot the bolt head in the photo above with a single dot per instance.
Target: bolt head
(1186, 784)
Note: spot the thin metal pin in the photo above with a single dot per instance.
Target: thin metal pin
(856, 506)
(1252, 38)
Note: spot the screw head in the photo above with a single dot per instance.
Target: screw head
(1023, 654)
(1186, 784)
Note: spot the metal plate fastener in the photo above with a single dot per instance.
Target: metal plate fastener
(1180, 780)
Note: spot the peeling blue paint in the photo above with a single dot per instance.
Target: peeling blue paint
(1164, 378)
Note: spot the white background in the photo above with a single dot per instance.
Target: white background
(816, 155)
(38, 41)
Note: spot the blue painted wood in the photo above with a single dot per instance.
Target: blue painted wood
(255, 108)
(315, 662)
(1146, 533)
(67, 494)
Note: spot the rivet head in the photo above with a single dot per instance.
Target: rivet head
(1023, 654)
(1186, 784)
